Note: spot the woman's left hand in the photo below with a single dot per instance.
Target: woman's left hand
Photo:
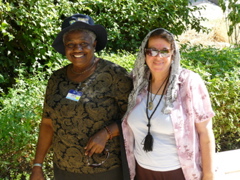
(96, 143)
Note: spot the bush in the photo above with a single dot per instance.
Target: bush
(22, 106)
(28, 27)
(128, 22)
(20, 116)
(123, 58)
(19, 120)
(220, 69)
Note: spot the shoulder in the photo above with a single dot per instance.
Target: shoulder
(59, 74)
(191, 82)
(108, 65)
(187, 75)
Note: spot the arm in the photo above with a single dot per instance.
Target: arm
(97, 142)
(44, 142)
(122, 86)
(207, 146)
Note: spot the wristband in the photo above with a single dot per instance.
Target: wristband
(37, 164)
(109, 132)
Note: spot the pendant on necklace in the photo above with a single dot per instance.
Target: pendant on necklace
(150, 105)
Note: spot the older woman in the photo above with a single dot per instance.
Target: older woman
(168, 127)
(83, 103)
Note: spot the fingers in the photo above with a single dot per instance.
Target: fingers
(90, 150)
(96, 143)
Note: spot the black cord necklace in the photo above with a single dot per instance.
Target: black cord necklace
(148, 140)
(150, 103)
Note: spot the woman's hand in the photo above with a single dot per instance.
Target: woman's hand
(37, 174)
(96, 143)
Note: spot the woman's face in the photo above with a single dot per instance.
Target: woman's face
(79, 48)
(159, 63)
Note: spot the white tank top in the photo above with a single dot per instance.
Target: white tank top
(164, 155)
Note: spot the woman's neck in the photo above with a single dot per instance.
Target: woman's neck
(158, 80)
(159, 77)
(79, 77)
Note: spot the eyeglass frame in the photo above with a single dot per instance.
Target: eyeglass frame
(73, 45)
(106, 151)
(159, 52)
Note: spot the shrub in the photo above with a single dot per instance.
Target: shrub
(220, 69)
(21, 108)
(20, 115)
(19, 119)
(28, 27)
(123, 58)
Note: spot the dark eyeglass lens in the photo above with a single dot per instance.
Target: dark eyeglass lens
(154, 52)
(164, 52)
(151, 52)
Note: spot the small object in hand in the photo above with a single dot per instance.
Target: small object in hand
(103, 157)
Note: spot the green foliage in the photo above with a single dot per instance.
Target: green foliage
(21, 108)
(221, 70)
(128, 22)
(27, 30)
(123, 58)
(28, 27)
(19, 118)
(232, 8)
(20, 115)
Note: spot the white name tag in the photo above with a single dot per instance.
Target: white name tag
(74, 95)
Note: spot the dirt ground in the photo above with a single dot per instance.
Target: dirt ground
(216, 22)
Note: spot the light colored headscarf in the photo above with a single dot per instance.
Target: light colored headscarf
(141, 74)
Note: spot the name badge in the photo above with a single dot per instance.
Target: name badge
(74, 95)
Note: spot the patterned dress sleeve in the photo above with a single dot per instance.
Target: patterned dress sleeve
(202, 109)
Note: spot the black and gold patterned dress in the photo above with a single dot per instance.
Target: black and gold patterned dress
(104, 101)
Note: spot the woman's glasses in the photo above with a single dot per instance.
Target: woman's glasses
(103, 158)
(155, 52)
(73, 46)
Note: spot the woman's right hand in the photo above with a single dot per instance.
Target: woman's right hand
(96, 143)
(37, 173)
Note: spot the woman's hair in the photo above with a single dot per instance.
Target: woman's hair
(141, 72)
(163, 34)
(90, 33)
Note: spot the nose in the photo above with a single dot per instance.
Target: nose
(78, 47)
(159, 55)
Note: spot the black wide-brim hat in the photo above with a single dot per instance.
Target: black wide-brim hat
(80, 21)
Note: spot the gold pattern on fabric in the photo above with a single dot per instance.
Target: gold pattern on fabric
(104, 101)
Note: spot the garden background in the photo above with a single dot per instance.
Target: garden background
(28, 28)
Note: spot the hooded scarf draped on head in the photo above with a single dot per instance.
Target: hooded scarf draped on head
(141, 74)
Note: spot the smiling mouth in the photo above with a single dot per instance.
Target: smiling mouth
(78, 56)
(158, 63)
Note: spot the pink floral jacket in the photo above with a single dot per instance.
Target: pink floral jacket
(192, 106)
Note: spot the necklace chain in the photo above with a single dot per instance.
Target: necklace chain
(150, 103)
(148, 140)
(88, 69)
